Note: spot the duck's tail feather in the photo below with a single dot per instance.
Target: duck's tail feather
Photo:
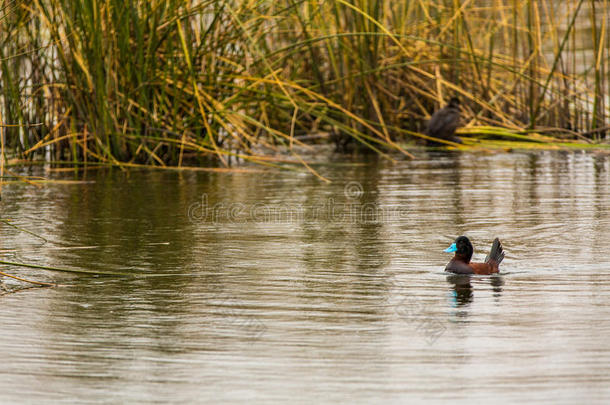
(497, 253)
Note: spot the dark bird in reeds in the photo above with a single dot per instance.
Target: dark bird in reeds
(444, 122)
(461, 264)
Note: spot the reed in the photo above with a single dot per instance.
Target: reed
(163, 82)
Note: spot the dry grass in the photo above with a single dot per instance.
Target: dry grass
(156, 82)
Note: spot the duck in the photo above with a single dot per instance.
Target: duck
(460, 263)
(444, 122)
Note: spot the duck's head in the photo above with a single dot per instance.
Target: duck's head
(462, 248)
(454, 102)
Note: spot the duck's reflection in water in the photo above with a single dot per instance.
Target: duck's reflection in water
(496, 282)
(462, 293)
(462, 289)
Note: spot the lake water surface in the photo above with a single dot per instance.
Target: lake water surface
(279, 288)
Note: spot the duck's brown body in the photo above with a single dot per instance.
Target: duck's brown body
(460, 267)
(461, 264)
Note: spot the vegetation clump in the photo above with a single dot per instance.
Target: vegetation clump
(160, 82)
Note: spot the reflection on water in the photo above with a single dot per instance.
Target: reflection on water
(462, 289)
(280, 288)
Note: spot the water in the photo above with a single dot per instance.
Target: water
(287, 289)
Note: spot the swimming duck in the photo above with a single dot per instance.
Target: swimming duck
(461, 264)
(445, 121)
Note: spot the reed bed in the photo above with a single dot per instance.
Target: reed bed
(167, 82)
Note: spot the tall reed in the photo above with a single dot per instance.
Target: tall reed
(161, 81)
